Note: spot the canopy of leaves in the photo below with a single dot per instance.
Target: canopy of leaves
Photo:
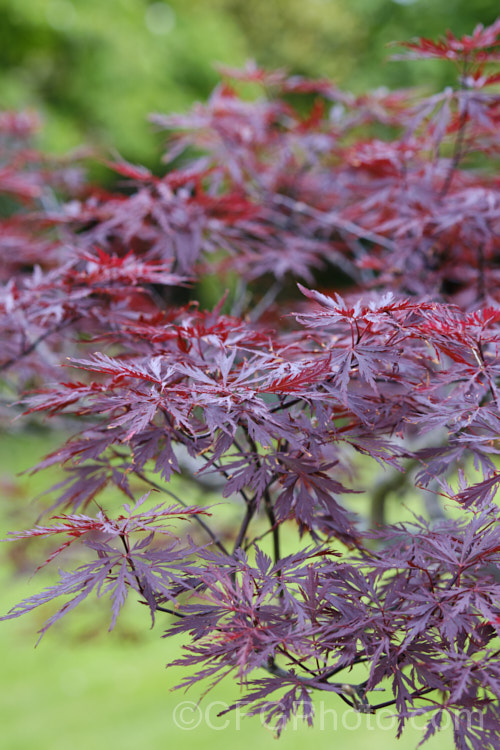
(362, 316)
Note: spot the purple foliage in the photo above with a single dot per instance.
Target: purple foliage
(358, 239)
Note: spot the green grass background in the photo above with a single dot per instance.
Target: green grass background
(85, 687)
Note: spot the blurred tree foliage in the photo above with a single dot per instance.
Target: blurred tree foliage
(95, 69)
(347, 40)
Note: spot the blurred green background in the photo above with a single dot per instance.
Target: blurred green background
(94, 69)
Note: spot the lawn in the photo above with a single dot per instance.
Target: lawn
(84, 687)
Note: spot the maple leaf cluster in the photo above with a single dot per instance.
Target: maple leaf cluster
(353, 243)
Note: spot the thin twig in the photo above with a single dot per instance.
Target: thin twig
(34, 344)
(251, 506)
(198, 520)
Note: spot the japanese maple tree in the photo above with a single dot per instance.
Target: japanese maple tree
(353, 351)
